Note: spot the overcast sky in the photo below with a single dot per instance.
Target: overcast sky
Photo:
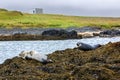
(69, 7)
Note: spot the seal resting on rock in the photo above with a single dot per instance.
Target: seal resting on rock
(35, 55)
(87, 47)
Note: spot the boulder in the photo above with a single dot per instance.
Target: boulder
(110, 33)
(60, 33)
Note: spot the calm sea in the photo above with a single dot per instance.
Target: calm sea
(10, 49)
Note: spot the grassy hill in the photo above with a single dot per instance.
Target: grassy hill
(11, 19)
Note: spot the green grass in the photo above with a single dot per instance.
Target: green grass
(12, 19)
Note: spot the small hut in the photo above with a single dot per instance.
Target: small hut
(38, 11)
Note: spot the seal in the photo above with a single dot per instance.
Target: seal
(87, 47)
(35, 55)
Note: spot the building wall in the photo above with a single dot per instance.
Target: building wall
(38, 11)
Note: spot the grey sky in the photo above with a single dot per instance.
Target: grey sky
(70, 7)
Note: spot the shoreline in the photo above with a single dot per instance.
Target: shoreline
(98, 64)
(55, 34)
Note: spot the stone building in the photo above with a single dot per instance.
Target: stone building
(38, 11)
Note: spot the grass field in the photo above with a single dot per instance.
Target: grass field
(11, 19)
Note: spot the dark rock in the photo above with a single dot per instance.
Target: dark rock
(72, 34)
(36, 34)
(85, 29)
(52, 32)
(110, 33)
(60, 33)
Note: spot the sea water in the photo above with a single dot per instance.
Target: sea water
(10, 49)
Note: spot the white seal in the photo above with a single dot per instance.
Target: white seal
(34, 55)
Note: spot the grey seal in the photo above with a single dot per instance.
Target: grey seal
(87, 47)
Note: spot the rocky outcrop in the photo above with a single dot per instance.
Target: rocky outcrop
(102, 63)
(37, 34)
(104, 33)
(86, 31)
(55, 33)
(110, 33)
(60, 33)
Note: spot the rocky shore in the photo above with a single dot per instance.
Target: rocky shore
(37, 34)
(102, 63)
(55, 33)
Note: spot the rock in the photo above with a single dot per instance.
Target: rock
(60, 33)
(72, 34)
(110, 33)
(53, 32)
(85, 29)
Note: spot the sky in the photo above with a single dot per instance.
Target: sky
(108, 8)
